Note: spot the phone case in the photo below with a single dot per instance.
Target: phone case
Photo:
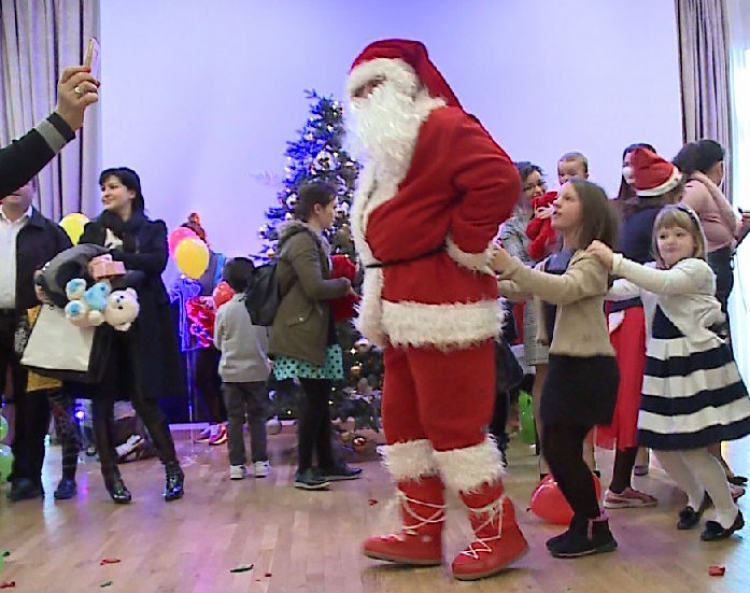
(92, 57)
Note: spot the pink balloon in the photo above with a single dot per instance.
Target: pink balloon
(548, 502)
(178, 235)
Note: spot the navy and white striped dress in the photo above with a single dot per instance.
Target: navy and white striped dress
(691, 398)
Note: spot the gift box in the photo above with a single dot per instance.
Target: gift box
(103, 267)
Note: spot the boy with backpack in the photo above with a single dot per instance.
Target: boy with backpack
(244, 369)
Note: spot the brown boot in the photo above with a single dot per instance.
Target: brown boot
(420, 539)
(499, 542)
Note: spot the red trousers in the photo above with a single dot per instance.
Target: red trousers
(446, 397)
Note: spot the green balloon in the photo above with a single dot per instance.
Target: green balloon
(6, 462)
(526, 418)
(3, 427)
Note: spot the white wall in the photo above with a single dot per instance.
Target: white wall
(200, 96)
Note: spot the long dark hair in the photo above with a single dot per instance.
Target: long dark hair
(129, 179)
(598, 218)
(628, 203)
(698, 156)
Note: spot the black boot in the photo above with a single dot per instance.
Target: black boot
(583, 538)
(66, 489)
(174, 488)
(115, 486)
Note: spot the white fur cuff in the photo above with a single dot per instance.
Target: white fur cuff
(410, 461)
(369, 322)
(476, 262)
(465, 470)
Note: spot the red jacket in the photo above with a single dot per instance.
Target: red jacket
(431, 236)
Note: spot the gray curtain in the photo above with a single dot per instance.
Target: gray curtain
(704, 73)
(38, 39)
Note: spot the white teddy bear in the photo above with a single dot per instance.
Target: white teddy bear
(122, 309)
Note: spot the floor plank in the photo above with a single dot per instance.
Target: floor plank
(309, 541)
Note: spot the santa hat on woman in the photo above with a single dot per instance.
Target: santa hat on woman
(403, 62)
(652, 175)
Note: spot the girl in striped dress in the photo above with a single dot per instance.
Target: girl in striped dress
(692, 392)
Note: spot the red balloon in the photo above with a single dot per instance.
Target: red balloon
(222, 294)
(178, 235)
(548, 502)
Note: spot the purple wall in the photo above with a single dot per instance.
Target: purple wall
(200, 97)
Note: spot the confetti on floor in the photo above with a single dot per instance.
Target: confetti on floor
(242, 568)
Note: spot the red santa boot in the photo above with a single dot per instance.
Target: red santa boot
(499, 542)
(420, 539)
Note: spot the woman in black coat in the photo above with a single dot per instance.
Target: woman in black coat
(144, 362)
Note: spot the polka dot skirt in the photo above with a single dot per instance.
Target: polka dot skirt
(286, 367)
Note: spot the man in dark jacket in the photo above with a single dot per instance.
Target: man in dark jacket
(27, 241)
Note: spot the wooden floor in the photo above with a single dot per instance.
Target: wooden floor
(309, 541)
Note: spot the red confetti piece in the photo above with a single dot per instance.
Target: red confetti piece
(7, 584)
(372, 501)
(109, 561)
(716, 571)
(268, 574)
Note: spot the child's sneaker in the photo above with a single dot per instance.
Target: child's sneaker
(630, 498)
(204, 435)
(219, 437)
(310, 479)
(262, 469)
(237, 472)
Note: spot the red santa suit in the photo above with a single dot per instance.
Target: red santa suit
(424, 235)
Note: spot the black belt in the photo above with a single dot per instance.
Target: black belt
(398, 262)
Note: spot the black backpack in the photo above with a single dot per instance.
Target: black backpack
(262, 296)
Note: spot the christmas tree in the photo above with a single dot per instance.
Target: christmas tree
(319, 155)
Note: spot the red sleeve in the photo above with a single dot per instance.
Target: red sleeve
(537, 248)
(534, 228)
(489, 184)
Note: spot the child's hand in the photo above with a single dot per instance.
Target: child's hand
(500, 259)
(543, 212)
(601, 252)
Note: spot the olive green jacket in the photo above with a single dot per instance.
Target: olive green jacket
(300, 328)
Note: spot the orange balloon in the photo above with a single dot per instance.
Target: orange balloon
(548, 502)
(223, 293)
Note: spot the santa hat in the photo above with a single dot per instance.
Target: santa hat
(652, 175)
(399, 60)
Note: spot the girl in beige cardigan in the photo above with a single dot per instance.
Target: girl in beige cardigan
(581, 385)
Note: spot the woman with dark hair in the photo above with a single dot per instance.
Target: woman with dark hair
(303, 337)
(702, 162)
(144, 362)
(516, 242)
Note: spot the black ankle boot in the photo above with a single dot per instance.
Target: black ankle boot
(175, 481)
(66, 489)
(583, 538)
(115, 486)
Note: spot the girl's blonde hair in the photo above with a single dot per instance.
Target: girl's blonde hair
(684, 217)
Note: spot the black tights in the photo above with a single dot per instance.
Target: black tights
(624, 463)
(152, 417)
(563, 449)
(314, 426)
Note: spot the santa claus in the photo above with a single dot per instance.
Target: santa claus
(433, 193)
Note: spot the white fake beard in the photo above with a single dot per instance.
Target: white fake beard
(385, 128)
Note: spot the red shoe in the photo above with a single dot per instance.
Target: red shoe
(499, 542)
(219, 437)
(420, 539)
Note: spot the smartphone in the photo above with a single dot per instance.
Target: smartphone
(91, 58)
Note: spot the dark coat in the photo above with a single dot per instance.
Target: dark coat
(151, 342)
(302, 323)
(38, 242)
